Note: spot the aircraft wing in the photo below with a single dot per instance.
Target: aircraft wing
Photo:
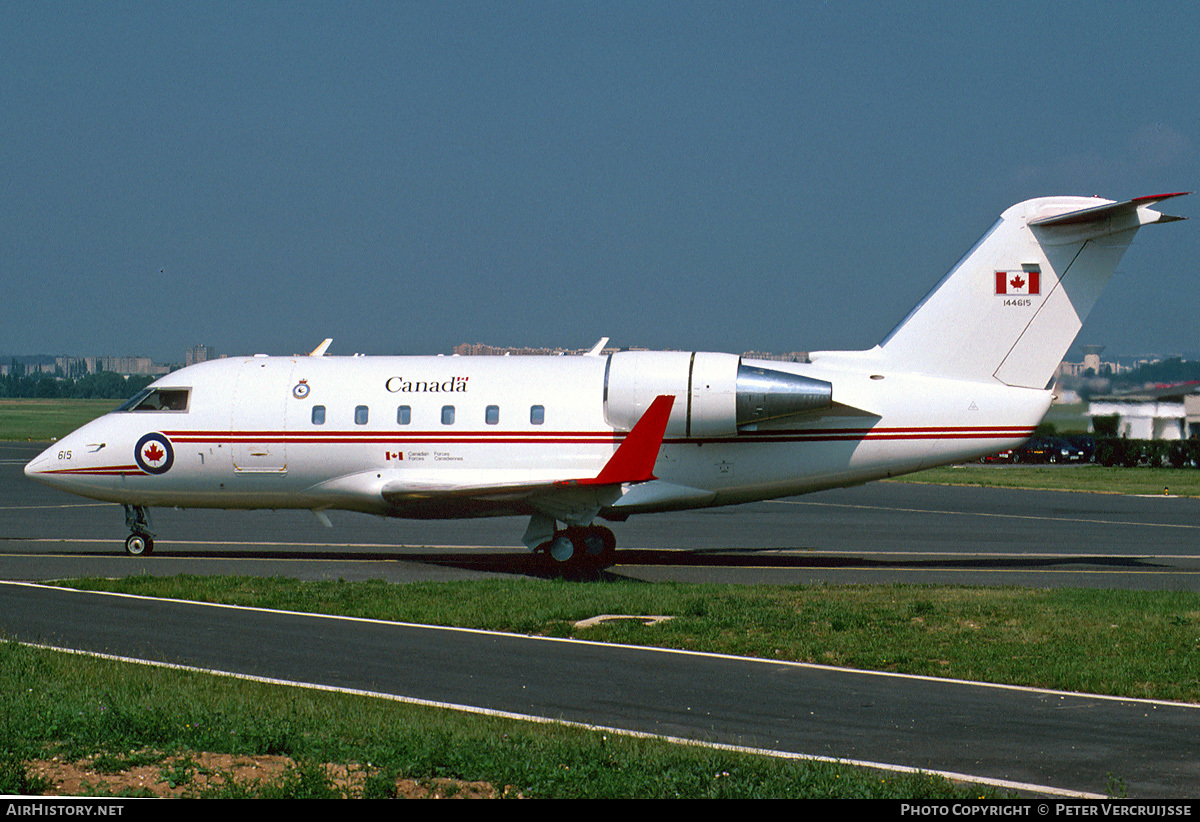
(569, 499)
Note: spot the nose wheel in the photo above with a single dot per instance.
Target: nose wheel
(140, 543)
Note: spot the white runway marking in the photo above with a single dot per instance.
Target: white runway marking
(69, 505)
(1003, 784)
(984, 514)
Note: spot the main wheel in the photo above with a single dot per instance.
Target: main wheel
(137, 545)
(562, 547)
(576, 548)
(599, 546)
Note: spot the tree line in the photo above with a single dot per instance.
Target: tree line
(1169, 372)
(105, 385)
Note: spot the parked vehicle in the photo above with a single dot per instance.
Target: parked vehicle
(1064, 450)
(1085, 443)
(1036, 450)
(1049, 449)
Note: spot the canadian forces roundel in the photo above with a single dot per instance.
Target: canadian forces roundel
(154, 454)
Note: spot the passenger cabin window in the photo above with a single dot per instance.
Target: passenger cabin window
(492, 415)
(537, 414)
(404, 414)
(447, 415)
(318, 415)
(360, 415)
(158, 399)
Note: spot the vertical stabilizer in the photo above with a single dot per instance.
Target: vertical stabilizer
(1011, 308)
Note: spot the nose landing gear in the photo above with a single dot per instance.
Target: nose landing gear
(141, 541)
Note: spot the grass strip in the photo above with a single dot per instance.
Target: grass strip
(45, 420)
(1124, 643)
(123, 715)
(1096, 479)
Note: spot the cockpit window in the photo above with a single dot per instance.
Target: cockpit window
(158, 399)
(134, 400)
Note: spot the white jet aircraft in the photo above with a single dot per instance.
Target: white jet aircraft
(570, 439)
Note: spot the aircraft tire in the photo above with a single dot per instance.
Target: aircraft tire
(595, 547)
(563, 547)
(603, 554)
(581, 549)
(591, 541)
(137, 545)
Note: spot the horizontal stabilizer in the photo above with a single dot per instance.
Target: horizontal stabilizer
(1109, 210)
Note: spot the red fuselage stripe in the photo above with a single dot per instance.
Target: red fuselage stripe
(597, 437)
(429, 438)
(104, 470)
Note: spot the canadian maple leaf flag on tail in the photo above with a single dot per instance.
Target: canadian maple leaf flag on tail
(1019, 283)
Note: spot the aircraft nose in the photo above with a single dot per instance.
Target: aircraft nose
(63, 465)
(36, 466)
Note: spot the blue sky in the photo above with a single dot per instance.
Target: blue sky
(403, 177)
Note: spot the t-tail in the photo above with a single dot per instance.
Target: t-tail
(1010, 309)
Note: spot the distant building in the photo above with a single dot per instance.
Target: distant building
(485, 350)
(32, 365)
(199, 353)
(130, 365)
(790, 356)
(1167, 413)
(1091, 362)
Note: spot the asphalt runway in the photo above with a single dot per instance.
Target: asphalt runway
(883, 532)
(880, 532)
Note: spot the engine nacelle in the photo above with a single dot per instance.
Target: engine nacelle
(715, 394)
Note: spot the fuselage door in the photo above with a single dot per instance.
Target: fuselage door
(259, 424)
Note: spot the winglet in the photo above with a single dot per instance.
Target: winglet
(634, 459)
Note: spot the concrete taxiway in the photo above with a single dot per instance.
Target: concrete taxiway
(882, 532)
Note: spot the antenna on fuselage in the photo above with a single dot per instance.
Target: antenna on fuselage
(319, 351)
(597, 348)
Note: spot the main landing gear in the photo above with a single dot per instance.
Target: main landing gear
(141, 542)
(581, 548)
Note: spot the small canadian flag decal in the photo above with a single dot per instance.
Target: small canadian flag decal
(1019, 283)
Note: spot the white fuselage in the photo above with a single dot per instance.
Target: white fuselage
(331, 432)
(569, 439)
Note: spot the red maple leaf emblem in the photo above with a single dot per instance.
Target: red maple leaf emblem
(1017, 282)
(153, 453)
